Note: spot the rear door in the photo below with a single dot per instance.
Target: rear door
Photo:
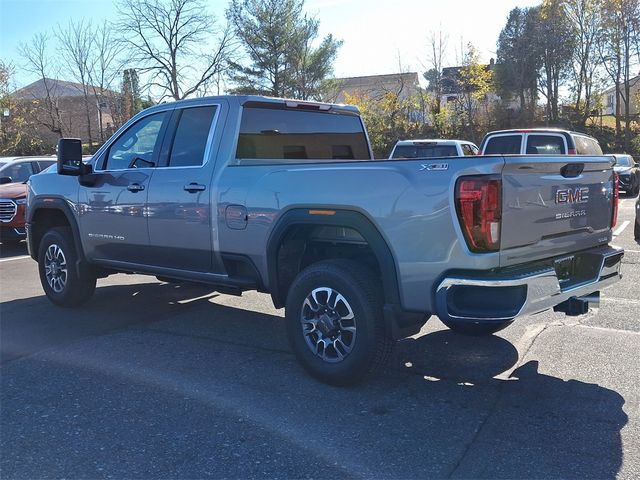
(554, 205)
(179, 202)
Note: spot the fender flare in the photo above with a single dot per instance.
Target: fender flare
(341, 218)
(53, 203)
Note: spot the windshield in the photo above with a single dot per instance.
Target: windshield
(623, 162)
(424, 151)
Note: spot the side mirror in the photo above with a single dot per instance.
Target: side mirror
(70, 157)
(4, 180)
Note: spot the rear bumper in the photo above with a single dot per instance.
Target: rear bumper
(512, 293)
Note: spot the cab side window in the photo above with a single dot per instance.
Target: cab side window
(466, 149)
(190, 140)
(503, 144)
(138, 146)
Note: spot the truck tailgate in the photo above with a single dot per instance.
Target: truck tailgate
(554, 205)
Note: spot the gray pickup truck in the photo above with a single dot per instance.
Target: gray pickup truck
(280, 196)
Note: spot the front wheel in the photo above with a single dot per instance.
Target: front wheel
(60, 279)
(476, 329)
(334, 322)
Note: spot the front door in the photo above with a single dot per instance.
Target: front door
(113, 216)
(179, 204)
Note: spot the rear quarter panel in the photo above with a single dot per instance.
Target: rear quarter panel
(411, 206)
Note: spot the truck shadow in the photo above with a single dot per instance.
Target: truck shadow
(8, 250)
(437, 412)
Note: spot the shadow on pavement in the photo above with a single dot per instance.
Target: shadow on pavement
(8, 250)
(210, 391)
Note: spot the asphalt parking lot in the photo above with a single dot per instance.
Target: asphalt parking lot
(152, 380)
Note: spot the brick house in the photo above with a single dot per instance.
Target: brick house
(57, 108)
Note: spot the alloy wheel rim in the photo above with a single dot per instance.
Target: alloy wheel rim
(55, 267)
(328, 324)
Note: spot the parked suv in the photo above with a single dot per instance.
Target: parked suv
(628, 174)
(432, 148)
(14, 173)
(539, 141)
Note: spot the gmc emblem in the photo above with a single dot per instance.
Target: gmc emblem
(572, 195)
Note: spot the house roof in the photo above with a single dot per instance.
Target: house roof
(58, 88)
(632, 83)
(377, 85)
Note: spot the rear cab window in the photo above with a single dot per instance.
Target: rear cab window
(504, 144)
(424, 151)
(545, 144)
(291, 134)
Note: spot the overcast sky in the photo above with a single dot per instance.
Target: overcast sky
(377, 35)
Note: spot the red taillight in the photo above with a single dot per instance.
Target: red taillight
(616, 199)
(479, 209)
(572, 151)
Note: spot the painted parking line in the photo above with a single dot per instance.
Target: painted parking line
(621, 228)
(10, 259)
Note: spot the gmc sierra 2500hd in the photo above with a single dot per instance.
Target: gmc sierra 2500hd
(282, 196)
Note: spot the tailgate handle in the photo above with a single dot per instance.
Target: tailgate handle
(572, 170)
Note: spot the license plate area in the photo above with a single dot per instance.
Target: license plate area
(575, 270)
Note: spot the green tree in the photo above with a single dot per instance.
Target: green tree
(17, 130)
(132, 103)
(390, 118)
(278, 39)
(517, 62)
(475, 81)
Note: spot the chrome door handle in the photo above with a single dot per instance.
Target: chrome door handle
(135, 187)
(194, 187)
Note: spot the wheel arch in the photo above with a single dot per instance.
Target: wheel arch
(48, 212)
(306, 217)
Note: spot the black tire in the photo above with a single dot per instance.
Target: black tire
(367, 347)
(636, 231)
(57, 259)
(476, 329)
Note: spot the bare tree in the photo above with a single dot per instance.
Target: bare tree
(104, 72)
(586, 16)
(76, 46)
(437, 43)
(618, 43)
(176, 42)
(39, 62)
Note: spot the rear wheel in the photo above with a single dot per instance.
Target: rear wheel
(334, 322)
(60, 279)
(476, 329)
